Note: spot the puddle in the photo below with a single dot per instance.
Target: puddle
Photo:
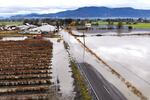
(61, 72)
(13, 38)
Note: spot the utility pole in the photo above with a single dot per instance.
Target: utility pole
(84, 46)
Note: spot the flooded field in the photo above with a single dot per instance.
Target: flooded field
(128, 55)
(97, 31)
(61, 72)
(103, 29)
(134, 33)
(25, 70)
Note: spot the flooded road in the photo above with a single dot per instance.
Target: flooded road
(115, 51)
(61, 72)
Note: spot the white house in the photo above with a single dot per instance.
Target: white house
(26, 27)
(88, 25)
(44, 28)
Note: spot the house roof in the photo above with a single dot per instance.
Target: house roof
(45, 28)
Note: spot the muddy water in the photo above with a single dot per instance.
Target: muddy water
(13, 38)
(78, 52)
(61, 72)
(101, 29)
(130, 52)
(126, 55)
(112, 33)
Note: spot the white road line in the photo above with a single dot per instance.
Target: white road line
(89, 82)
(106, 90)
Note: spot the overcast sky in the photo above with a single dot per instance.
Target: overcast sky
(11, 7)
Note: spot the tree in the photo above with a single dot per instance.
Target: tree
(120, 25)
(26, 21)
(68, 21)
(110, 24)
(130, 27)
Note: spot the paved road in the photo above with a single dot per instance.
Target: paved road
(102, 88)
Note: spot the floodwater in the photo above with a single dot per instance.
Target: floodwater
(61, 72)
(128, 55)
(112, 32)
(13, 38)
(99, 29)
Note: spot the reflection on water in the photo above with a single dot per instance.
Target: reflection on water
(13, 38)
(119, 33)
(61, 71)
(104, 30)
(131, 51)
(126, 54)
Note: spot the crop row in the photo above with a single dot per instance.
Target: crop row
(25, 69)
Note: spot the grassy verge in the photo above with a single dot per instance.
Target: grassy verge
(81, 87)
(80, 83)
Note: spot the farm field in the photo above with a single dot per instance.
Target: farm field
(25, 70)
(138, 25)
(10, 34)
(16, 23)
(142, 25)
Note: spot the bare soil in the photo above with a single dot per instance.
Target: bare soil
(25, 70)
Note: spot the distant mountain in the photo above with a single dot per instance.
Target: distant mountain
(1, 17)
(85, 12)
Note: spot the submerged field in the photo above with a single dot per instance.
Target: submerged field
(137, 25)
(124, 57)
(127, 55)
(25, 70)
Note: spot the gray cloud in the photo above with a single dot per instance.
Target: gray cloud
(26, 10)
(12, 7)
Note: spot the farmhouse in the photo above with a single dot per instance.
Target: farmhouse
(44, 29)
(8, 28)
(88, 25)
(26, 27)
